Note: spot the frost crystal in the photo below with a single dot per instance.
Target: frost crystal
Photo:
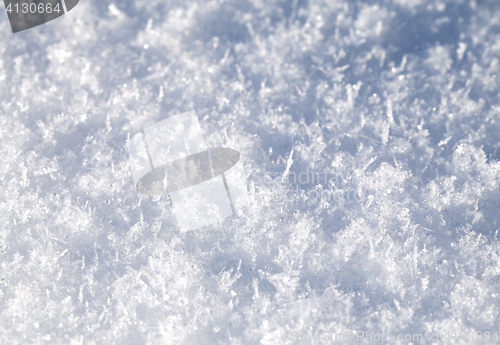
(369, 135)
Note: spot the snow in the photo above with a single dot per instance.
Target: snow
(395, 101)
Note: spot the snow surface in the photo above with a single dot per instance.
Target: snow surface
(396, 102)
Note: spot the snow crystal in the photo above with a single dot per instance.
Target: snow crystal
(369, 135)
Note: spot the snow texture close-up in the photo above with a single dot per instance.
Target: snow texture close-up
(369, 136)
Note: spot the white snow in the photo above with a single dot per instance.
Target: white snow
(396, 101)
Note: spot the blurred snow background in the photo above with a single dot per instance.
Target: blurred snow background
(397, 97)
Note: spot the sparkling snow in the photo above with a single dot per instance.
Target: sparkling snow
(395, 102)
